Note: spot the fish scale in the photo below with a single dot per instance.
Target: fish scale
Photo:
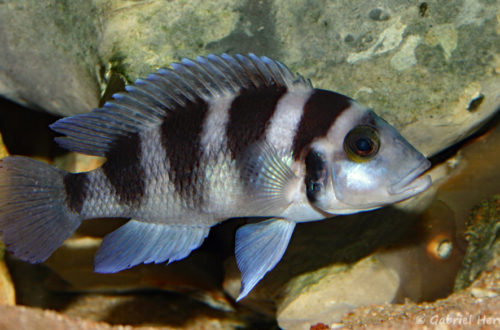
(210, 139)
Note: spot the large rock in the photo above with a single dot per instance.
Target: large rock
(423, 65)
(332, 292)
(31, 318)
(48, 57)
(420, 65)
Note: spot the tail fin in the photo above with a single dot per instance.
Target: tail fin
(34, 216)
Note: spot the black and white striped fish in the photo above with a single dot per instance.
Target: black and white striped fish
(210, 139)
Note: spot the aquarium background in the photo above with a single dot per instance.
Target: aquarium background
(430, 68)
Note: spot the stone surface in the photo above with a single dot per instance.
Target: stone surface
(416, 69)
(483, 237)
(122, 312)
(17, 317)
(461, 310)
(436, 67)
(7, 292)
(474, 175)
(330, 293)
(197, 276)
(143, 35)
(49, 56)
(3, 148)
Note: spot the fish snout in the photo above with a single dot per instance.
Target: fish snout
(414, 182)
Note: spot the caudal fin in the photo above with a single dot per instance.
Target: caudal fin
(34, 217)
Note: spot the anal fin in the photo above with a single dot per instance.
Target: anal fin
(259, 247)
(139, 242)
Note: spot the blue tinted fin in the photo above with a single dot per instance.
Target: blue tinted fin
(259, 247)
(149, 101)
(141, 242)
(34, 216)
(267, 177)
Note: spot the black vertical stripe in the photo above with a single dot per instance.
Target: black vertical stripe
(181, 140)
(76, 187)
(249, 116)
(320, 112)
(124, 171)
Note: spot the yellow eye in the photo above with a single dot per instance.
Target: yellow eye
(361, 143)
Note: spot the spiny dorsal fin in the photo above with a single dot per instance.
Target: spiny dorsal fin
(147, 102)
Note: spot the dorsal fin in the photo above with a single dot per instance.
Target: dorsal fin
(148, 101)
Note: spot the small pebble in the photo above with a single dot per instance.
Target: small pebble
(444, 248)
(378, 14)
(483, 293)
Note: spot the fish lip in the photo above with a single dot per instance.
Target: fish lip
(414, 182)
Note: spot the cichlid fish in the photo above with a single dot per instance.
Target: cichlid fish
(210, 139)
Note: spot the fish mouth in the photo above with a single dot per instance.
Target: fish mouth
(414, 183)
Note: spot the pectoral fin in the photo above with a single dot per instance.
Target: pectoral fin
(141, 242)
(267, 177)
(259, 247)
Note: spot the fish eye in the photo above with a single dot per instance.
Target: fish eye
(361, 143)
(316, 173)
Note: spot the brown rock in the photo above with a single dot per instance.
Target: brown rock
(197, 276)
(7, 291)
(476, 307)
(3, 148)
(18, 317)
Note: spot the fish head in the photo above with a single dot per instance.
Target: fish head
(363, 163)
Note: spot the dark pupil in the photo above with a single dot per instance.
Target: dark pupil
(364, 145)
